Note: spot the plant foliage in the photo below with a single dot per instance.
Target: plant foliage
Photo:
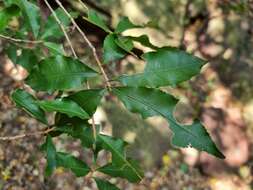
(51, 71)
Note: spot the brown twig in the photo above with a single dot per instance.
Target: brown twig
(83, 5)
(62, 28)
(75, 55)
(94, 51)
(89, 43)
(19, 40)
(10, 138)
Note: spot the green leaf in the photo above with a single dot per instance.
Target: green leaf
(55, 48)
(59, 73)
(125, 43)
(112, 51)
(6, 15)
(116, 147)
(124, 171)
(166, 66)
(26, 101)
(88, 99)
(50, 150)
(143, 40)
(64, 120)
(152, 102)
(121, 166)
(82, 131)
(52, 28)
(11, 52)
(65, 106)
(78, 167)
(105, 185)
(27, 59)
(146, 101)
(97, 20)
(194, 135)
(8, 3)
(60, 159)
(125, 24)
(77, 128)
(31, 13)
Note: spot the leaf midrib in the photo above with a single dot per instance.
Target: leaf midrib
(27, 107)
(155, 71)
(147, 104)
(187, 131)
(62, 109)
(80, 169)
(67, 74)
(125, 160)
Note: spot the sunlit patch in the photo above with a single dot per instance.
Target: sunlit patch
(14, 71)
(228, 54)
(130, 136)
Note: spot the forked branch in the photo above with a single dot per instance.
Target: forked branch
(94, 51)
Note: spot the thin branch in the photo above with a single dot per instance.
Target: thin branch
(62, 27)
(75, 55)
(94, 51)
(10, 138)
(19, 40)
(83, 5)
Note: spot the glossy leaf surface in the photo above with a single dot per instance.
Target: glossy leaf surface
(32, 14)
(65, 106)
(27, 102)
(78, 129)
(55, 48)
(59, 159)
(49, 148)
(143, 40)
(78, 167)
(124, 43)
(125, 24)
(121, 166)
(59, 73)
(88, 99)
(146, 101)
(166, 66)
(105, 185)
(95, 19)
(112, 51)
(152, 102)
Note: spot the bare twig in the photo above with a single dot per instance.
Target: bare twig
(94, 51)
(19, 40)
(10, 138)
(62, 27)
(83, 5)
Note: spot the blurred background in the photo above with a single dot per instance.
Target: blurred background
(220, 31)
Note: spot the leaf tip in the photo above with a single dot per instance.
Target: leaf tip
(219, 154)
